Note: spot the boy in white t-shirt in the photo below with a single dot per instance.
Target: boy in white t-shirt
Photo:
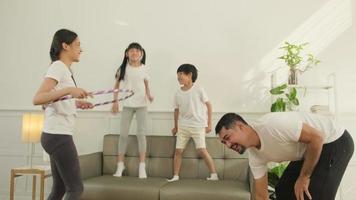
(318, 148)
(194, 112)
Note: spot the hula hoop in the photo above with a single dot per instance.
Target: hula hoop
(99, 92)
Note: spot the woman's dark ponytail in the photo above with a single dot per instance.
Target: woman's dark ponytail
(54, 54)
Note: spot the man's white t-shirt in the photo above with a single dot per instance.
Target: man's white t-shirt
(192, 107)
(279, 134)
(60, 116)
(134, 80)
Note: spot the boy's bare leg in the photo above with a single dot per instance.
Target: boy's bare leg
(177, 163)
(209, 162)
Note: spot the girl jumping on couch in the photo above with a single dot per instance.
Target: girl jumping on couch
(133, 74)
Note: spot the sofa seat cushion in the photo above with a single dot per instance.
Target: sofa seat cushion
(198, 189)
(108, 187)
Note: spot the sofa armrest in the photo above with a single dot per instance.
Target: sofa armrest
(91, 165)
(252, 184)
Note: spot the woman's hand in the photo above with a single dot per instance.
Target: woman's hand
(78, 93)
(83, 104)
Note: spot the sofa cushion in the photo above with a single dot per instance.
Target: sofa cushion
(160, 152)
(128, 188)
(232, 169)
(195, 189)
(161, 146)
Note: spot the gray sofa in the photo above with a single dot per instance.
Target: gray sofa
(97, 169)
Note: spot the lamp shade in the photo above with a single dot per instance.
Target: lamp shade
(32, 124)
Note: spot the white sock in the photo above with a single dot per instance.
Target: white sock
(175, 178)
(120, 169)
(142, 170)
(213, 177)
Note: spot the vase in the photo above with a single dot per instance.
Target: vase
(293, 77)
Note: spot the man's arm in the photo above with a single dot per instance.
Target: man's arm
(314, 141)
(261, 185)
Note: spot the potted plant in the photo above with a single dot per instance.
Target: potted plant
(287, 98)
(293, 58)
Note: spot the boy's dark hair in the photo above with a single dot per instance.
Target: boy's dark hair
(228, 121)
(189, 68)
(122, 67)
(60, 37)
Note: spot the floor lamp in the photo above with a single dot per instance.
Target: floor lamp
(32, 124)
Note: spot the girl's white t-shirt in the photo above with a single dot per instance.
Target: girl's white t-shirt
(134, 80)
(279, 135)
(192, 108)
(60, 116)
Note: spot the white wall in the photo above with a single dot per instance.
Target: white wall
(233, 43)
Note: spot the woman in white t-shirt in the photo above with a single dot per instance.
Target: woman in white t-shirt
(133, 75)
(56, 138)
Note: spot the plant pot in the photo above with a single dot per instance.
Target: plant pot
(293, 77)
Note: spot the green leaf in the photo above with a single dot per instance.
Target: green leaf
(278, 90)
(293, 93)
(284, 86)
(280, 105)
(283, 107)
(273, 107)
(272, 179)
(295, 102)
(278, 170)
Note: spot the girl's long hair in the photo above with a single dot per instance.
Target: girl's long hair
(122, 69)
(60, 37)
